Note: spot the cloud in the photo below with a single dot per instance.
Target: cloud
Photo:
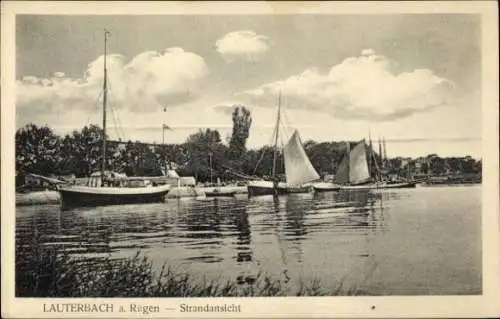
(148, 82)
(243, 45)
(225, 109)
(367, 52)
(364, 87)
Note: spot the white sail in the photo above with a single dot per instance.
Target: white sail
(358, 165)
(298, 168)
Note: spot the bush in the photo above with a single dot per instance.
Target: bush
(50, 272)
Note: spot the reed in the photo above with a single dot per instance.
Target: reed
(50, 272)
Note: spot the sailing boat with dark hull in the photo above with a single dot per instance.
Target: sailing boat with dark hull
(298, 168)
(105, 187)
(87, 196)
(354, 173)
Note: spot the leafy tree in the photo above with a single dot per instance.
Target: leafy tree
(242, 121)
(425, 168)
(37, 150)
(479, 167)
(263, 165)
(437, 165)
(40, 150)
(325, 156)
(204, 148)
(88, 148)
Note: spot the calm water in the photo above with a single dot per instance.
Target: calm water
(400, 242)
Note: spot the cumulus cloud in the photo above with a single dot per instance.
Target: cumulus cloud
(363, 87)
(243, 45)
(149, 81)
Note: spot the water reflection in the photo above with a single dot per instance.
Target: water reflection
(322, 234)
(203, 227)
(296, 208)
(239, 218)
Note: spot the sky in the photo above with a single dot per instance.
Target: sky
(414, 80)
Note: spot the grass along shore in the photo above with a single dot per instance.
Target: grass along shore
(50, 272)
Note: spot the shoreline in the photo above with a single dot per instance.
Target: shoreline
(52, 197)
(47, 197)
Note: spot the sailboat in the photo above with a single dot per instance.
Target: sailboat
(220, 191)
(298, 168)
(353, 173)
(384, 183)
(106, 187)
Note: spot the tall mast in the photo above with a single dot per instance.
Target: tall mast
(348, 154)
(211, 170)
(104, 102)
(380, 148)
(378, 172)
(381, 156)
(371, 156)
(385, 151)
(275, 157)
(372, 161)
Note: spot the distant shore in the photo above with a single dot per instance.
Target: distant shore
(206, 157)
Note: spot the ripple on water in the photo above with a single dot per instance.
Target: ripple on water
(413, 239)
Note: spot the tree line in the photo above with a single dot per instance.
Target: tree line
(203, 155)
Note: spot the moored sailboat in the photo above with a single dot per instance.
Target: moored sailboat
(109, 188)
(220, 191)
(378, 171)
(298, 168)
(354, 173)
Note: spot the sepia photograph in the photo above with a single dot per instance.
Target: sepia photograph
(272, 154)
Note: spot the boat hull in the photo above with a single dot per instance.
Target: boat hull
(267, 188)
(378, 186)
(72, 197)
(215, 193)
(401, 185)
(326, 187)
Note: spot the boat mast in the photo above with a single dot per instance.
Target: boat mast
(372, 160)
(378, 172)
(370, 151)
(385, 151)
(275, 157)
(348, 154)
(211, 170)
(381, 155)
(104, 102)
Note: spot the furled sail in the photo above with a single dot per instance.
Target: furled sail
(298, 167)
(358, 165)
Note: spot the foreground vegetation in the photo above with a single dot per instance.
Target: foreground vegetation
(53, 273)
